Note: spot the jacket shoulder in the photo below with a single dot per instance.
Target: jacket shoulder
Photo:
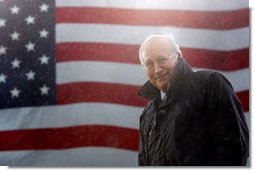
(202, 77)
(205, 74)
(212, 78)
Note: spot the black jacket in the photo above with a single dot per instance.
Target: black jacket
(201, 122)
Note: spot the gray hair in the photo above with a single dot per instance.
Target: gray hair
(166, 36)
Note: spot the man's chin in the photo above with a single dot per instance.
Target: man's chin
(162, 86)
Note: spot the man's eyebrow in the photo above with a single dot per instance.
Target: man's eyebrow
(161, 56)
(148, 60)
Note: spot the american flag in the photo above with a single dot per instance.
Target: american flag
(69, 72)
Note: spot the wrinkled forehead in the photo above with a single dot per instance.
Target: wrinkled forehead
(158, 44)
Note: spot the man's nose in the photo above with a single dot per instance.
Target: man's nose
(157, 67)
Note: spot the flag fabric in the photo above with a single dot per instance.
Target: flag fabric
(70, 72)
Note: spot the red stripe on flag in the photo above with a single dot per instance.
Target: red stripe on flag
(218, 60)
(113, 93)
(180, 18)
(69, 137)
(99, 92)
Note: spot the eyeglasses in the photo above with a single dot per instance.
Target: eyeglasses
(161, 60)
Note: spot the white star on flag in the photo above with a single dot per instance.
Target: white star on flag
(15, 92)
(2, 22)
(2, 78)
(14, 9)
(30, 75)
(30, 46)
(44, 90)
(2, 50)
(44, 7)
(44, 59)
(30, 20)
(44, 33)
(15, 35)
(15, 63)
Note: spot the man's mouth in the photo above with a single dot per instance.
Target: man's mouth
(161, 76)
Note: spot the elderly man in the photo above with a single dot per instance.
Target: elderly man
(193, 118)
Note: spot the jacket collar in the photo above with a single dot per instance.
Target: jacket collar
(180, 76)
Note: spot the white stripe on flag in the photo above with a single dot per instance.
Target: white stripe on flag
(70, 115)
(202, 5)
(75, 157)
(131, 74)
(186, 37)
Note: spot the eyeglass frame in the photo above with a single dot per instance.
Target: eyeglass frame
(161, 62)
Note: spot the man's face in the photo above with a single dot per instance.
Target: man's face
(159, 61)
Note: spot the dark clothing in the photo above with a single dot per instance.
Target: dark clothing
(201, 122)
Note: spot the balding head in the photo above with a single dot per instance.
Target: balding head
(158, 41)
